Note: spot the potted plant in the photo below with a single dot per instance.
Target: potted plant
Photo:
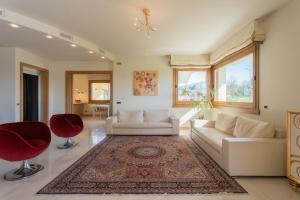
(203, 104)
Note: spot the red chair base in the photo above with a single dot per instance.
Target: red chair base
(68, 144)
(26, 170)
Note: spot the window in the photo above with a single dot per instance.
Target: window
(99, 91)
(189, 85)
(235, 80)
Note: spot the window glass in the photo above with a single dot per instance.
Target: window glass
(234, 81)
(100, 91)
(192, 85)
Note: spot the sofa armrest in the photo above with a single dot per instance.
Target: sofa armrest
(202, 123)
(109, 124)
(254, 156)
(175, 125)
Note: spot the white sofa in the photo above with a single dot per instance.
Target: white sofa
(241, 146)
(139, 122)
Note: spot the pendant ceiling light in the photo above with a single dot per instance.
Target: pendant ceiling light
(144, 24)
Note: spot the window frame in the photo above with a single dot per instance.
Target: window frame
(187, 104)
(250, 107)
(99, 101)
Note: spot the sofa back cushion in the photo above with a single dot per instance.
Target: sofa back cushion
(130, 116)
(253, 128)
(225, 123)
(157, 115)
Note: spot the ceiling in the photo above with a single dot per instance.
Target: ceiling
(36, 42)
(184, 26)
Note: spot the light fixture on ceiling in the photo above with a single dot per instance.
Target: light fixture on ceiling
(91, 52)
(73, 45)
(144, 25)
(49, 36)
(102, 57)
(14, 25)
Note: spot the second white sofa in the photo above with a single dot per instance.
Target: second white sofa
(242, 146)
(139, 122)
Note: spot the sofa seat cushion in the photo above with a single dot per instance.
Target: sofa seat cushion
(144, 125)
(225, 123)
(157, 116)
(253, 128)
(212, 137)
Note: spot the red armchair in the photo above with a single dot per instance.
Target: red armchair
(21, 141)
(66, 126)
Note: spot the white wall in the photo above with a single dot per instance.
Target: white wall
(280, 64)
(57, 72)
(123, 83)
(7, 84)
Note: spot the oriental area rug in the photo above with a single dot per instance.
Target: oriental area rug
(144, 165)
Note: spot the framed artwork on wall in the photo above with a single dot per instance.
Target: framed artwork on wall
(145, 83)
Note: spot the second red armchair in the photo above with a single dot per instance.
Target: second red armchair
(66, 126)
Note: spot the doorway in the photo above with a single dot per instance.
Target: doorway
(30, 97)
(89, 93)
(34, 93)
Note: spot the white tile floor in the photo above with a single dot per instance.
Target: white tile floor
(55, 161)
